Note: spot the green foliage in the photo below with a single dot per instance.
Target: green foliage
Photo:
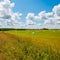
(45, 29)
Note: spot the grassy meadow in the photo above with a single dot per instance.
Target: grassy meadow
(30, 45)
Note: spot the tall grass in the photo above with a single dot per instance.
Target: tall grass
(23, 45)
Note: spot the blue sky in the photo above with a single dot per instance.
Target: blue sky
(30, 13)
(35, 6)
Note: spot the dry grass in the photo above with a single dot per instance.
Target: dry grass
(23, 45)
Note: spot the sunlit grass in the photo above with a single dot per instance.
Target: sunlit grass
(30, 45)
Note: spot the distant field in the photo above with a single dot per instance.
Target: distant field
(30, 45)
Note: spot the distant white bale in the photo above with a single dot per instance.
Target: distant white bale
(33, 32)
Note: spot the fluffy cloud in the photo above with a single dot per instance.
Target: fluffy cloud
(7, 16)
(56, 10)
(46, 18)
(42, 17)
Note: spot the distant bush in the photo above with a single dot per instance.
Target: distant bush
(6, 29)
(45, 29)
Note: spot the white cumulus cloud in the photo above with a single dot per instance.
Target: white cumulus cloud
(7, 16)
(46, 18)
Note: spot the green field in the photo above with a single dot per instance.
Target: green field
(30, 45)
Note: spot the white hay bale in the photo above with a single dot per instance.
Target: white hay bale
(33, 32)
